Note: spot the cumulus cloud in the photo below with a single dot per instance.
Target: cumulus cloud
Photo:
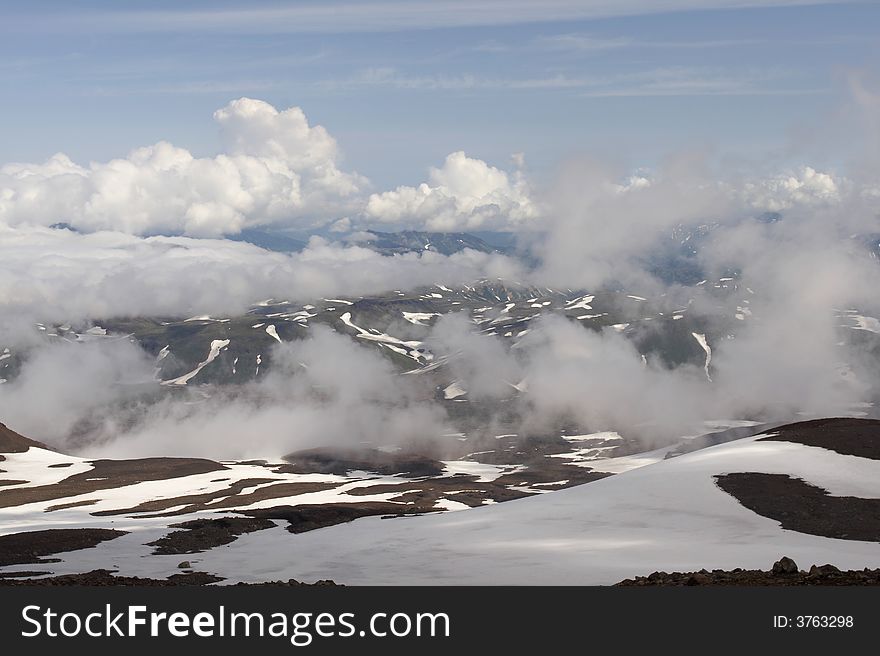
(805, 187)
(464, 194)
(277, 169)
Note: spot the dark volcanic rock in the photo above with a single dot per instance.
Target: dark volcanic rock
(784, 566)
(340, 462)
(32, 546)
(202, 534)
(292, 583)
(799, 506)
(307, 518)
(103, 577)
(108, 474)
(846, 435)
(549, 475)
(777, 576)
(12, 442)
(824, 571)
(22, 574)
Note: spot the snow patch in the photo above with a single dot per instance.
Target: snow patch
(701, 340)
(866, 323)
(273, 333)
(418, 317)
(216, 346)
(453, 390)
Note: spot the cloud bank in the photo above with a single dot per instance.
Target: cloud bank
(58, 275)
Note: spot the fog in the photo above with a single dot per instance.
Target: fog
(101, 399)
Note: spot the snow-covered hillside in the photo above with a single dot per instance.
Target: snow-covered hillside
(666, 516)
(656, 514)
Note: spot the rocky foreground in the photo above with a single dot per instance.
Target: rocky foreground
(784, 572)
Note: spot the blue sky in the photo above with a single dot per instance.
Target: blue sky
(402, 85)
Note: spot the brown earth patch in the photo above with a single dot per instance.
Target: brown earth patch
(308, 518)
(340, 462)
(32, 546)
(276, 491)
(551, 472)
(72, 504)
(12, 442)
(233, 498)
(426, 493)
(845, 435)
(200, 535)
(799, 506)
(517, 450)
(157, 505)
(535, 456)
(11, 481)
(109, 474)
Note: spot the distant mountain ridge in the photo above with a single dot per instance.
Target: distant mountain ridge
(269, 240)
(416, 241)
(386, 243)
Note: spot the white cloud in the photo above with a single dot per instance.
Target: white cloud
(342, 225)
(807, 187)
(59, 275)
(463, 194)
(278, 169)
